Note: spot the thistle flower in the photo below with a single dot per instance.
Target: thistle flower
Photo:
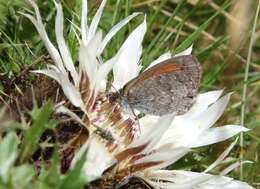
(116, 149)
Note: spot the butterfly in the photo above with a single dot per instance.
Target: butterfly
(168, 87)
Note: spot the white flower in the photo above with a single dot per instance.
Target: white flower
(86, 88)
(115, 148)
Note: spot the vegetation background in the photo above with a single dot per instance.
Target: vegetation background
(226, 39)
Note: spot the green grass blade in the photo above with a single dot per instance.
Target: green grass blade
(192, 37)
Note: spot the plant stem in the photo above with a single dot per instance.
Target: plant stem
(243, 106)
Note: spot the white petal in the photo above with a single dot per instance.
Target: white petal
(180, 133)
(192, 180)
(80, 153)
(162, 58)
(213, 113)
(127, 66)
(185, 52)
(50, 73)
(221, 182)
(95, 21)
(65, 110)
(232, 167)
(196, 125)
(87, 58)
(147, 122)
(52, 67)
(221, 157)
(176, 179)
(152, 137)
(84, 20)
(205, 119)
(202, 102)
(167, 156)
(98, 159)
(102, 75)
(217, 134)
(64, 51)
(114, 30)
(42, 32)
(68, 88)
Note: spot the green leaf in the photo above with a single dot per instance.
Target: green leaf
(51, 177)
(32, 135)
(22, 176)
(74, 179)
(8, 153)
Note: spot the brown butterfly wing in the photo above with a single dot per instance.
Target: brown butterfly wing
(167, 87)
